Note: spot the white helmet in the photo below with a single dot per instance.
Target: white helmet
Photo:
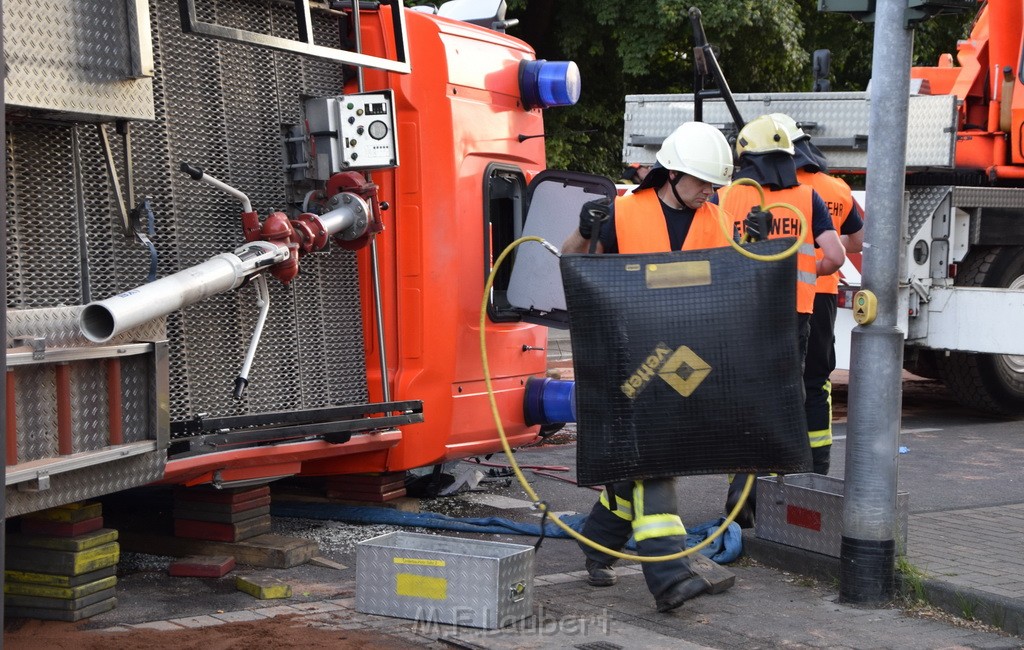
(700, 150)
(789, 125)
(763, 135)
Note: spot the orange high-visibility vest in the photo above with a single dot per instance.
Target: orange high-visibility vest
(739, 199)
(640, 225)
(837, 196)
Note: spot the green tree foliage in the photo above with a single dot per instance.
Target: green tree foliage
(646, 46)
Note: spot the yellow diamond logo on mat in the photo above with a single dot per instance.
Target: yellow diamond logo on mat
(684, 371)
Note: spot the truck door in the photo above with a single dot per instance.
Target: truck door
(554, 199)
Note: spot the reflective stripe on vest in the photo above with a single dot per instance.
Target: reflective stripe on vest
(837, 196)
(640, 225)
(739, 199)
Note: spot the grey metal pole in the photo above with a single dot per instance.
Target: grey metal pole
(3, 298)
(868, 550)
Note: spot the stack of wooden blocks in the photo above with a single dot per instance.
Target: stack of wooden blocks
(62, 566)
(229, 515)
(373, 488)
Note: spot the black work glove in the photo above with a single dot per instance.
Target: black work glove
(756, 225)
(593, 212)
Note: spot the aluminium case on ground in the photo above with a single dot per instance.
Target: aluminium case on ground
(806, 511)
(446, 580)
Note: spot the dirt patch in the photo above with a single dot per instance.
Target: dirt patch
(283, 632)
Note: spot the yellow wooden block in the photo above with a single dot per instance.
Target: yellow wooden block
(65, 593)
(71, 513)
(263, 587)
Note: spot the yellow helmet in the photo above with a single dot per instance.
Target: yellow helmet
(793, 129)
(763, 135)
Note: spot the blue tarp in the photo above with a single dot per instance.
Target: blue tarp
(722, 550)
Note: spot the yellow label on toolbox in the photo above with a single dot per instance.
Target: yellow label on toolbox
(418, 561)
(408, 584)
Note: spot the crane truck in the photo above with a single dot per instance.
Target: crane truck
(962, 273)
(248, 239)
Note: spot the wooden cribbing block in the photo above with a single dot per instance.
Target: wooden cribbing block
(212, 495)
(70, 616)
(76, 543)
(70, 604)
(221, 517)
(202, 566)
(213, 506)
(71, 513)
(720, 578)
(367, 497)
(221, 532)
(57, 580)
(263, 587)
(62, 562)
(66, 593)
(60, 528)
(386, 478)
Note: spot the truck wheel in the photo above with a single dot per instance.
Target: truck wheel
(993, 383)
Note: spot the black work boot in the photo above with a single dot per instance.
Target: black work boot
(681, 592)
(745, 518)
(600, 575)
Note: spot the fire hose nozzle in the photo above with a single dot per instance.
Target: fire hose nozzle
(102, 320)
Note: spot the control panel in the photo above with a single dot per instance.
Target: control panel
(351, 132)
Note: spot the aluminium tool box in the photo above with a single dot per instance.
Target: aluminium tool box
(438, 579)
(806, 511)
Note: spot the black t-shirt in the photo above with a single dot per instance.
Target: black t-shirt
(677, 220)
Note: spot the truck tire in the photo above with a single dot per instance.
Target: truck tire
(993, 383)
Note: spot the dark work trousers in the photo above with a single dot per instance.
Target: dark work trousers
(649, 511)
(820, 362)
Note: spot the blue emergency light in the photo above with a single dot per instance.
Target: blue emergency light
(543, 84)
(549, 401)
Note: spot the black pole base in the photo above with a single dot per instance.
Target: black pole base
(867, 571)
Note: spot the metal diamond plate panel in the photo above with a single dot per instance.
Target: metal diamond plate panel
(73, 58)
(987, 197)
(221, 106)
(806, 511)
(36, 387)
(840, 119)
(923, 203)
(59, 327)
(89, 482)
(35, 409)
(444, 579)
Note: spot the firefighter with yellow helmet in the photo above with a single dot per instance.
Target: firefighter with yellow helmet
(765, 153)
(668, 211)
(812, 169)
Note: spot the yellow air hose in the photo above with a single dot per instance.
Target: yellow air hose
(538, 503)
(766, 208)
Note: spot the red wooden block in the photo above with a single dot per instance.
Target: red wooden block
(202, 566)
(60, 528)
(232, 496)
(218, 532)
(368, 497)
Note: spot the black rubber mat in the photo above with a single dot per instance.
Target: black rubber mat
(685, 363)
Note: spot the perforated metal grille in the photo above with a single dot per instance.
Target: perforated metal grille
(220, 106)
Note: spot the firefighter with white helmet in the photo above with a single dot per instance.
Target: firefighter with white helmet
(765, 151)
(668, 211)
(812, 169)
